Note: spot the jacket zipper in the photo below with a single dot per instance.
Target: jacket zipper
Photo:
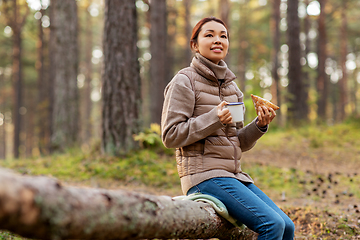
(227, 136)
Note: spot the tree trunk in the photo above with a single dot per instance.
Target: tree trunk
(158, 64)
(2, 117)
(29, 124)
(188, 29)
(87, 103)
(121, 92)
(66, 96)
(355, 90)
(18, 96)
(170, 41)
(42, 208)
(275, 28)
(224, 8)
(51, 74)
(343, 54)
(296, 87)
(43, 94)
(306, 75)
(16, 22)
(322, 82)
(243, 44)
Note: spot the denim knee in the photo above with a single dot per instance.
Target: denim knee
(273, 229)
(279, 226)
(289, 230)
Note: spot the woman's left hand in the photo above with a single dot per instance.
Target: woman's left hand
(265, 116)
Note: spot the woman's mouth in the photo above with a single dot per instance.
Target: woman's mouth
(217, 49)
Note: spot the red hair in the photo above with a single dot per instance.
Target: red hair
(196, 30)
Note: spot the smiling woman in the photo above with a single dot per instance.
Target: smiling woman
(209, 143)
(212, 42)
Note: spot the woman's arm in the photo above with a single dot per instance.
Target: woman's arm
(179, 127)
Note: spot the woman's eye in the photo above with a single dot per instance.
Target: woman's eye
(208, 35)
(224, 36)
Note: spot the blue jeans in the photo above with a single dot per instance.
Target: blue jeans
(249, 205)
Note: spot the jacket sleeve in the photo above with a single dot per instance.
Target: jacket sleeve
(179, 127)
(248, 135)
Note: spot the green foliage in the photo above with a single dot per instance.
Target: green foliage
(334, 137)
(9, 236)
(151, 139)
(140, 167)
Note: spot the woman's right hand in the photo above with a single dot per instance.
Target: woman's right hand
(224, 113)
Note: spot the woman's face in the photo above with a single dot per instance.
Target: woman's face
(212, 41)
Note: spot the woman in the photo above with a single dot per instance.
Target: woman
(208, 144)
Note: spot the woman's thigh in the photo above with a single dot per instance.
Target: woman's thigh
(242, 203)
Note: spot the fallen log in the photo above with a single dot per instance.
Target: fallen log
(42, 208)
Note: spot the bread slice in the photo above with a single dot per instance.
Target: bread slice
(259, 101)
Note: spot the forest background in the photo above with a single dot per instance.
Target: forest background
(81, 91)
(302, 55)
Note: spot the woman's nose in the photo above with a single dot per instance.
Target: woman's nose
(217, 39)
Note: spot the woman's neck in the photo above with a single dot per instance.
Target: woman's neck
(218, 69)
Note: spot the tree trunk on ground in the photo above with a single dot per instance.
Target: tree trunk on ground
(121, 90)
(322, 81)
(158, 64)
(42, 208)
(296, 87)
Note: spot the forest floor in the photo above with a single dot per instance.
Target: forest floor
(312, 173)
(328, 208)
(325, 207)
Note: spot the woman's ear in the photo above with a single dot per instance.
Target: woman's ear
(194, 46)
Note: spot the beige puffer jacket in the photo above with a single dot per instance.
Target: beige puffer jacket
(205, 148)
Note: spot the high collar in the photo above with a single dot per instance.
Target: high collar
(211, 70)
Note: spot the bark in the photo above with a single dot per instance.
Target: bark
(42, 208)
(158, 64)
(121, 90)
(296, 86)
(66, 98)
(322, 82)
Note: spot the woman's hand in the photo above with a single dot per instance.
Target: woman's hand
(265, 116)
(224, 113)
